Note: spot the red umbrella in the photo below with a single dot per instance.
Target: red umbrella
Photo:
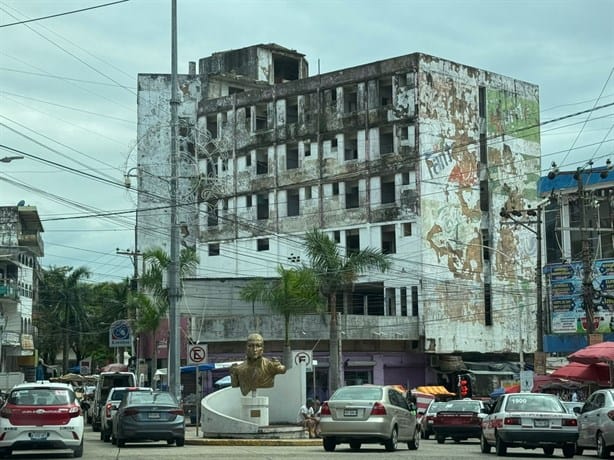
(598, 373)
(602, 352)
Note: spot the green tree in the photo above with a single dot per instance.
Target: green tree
(295, 292)
(337, 273)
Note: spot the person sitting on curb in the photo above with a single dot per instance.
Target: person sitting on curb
(306, 418)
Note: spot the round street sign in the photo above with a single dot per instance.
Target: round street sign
(197, 354)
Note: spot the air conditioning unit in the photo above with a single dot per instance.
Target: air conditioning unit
(433, 360)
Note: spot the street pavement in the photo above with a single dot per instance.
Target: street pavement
(194, 437)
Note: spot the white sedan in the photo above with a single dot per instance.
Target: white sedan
(530, 421)
(596, 423)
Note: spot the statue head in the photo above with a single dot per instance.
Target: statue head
(255, 346)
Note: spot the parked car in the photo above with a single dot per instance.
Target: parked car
(459, 419)
(367, 414)
(106, 381)
(41, 416)
(596, 423)
(530, 421)
(115, 397)
(426, 422)
(148, 416)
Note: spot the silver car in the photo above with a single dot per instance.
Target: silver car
(362, 414)
(596, 423)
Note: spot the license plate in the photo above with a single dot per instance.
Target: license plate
(350, 412)
(541, 423)
(38, 436)
(154, 415)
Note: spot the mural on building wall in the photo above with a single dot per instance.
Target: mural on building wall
(568, 313)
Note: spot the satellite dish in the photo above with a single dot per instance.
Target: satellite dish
(21, 203)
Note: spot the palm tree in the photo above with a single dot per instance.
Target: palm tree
(337, 272)
(293, 293)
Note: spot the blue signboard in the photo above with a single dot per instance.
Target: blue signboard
(120, 334)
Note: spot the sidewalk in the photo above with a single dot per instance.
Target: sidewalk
(192, 439)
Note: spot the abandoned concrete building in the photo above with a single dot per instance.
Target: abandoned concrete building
(414, 155)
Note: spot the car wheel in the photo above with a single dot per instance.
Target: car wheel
(602, 450)
(5, 453)
(440, 439)
(415, 442)
(456, 440)
(113, 440)
(355, 445)
(579, 450)
(180, 442)
(170, 442)
(78, 452)
(569, 450)
(391, 443)
(500, 446)
(329, 444)
(121, 442)
(548, 451)
(484, 446)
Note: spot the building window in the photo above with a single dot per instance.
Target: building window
(387, 184)
(350, 148)
(358, 377)
(390, 302)
(405, 178)
(414, 301)
(337, 236)
(483, 149)
(214, 249)
(407, 229)
(308, 193)
(262, 244)
(484, 193)
(248, 201)
(335, 188)
(262, 161)
(482, 101)
(212, 214)
(291, 110)
(487, 304)
(388, 239)
(485, 244)
(334, 144)
(233, 90)
(386, 141)
(351, 195)
(352, 241)
(248, 159)
(292, 157)
(261, 117)
(307, 149)
(262, 204)
(385, 91)
(350, 99)
(248, 119)
(403, 301)
(212, 125)
(292, 196)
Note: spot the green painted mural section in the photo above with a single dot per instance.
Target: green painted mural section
(512, 115)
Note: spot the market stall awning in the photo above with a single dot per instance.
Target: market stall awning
(436, 390)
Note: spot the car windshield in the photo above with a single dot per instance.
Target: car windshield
(435, 407)
(358, 394)
(41, 397)
(462, 406)
(144, 397)
(536, 403)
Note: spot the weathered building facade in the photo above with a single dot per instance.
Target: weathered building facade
(415, 155)
(21, 246)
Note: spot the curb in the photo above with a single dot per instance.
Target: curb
(252, 442)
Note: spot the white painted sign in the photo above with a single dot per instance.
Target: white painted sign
(197, 354)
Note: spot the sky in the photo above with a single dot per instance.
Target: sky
(68, 86)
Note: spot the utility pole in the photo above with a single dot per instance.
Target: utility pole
(174, 353)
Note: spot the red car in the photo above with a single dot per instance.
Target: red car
(459, 419)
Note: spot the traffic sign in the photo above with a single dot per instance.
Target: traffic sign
(197, 354)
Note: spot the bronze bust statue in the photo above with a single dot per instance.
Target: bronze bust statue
(256, 371)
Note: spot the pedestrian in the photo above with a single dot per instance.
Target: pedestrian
(306, 418)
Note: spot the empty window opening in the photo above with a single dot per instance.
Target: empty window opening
(485, 244)
(285, 68)
(414, 301)
(214, 249)
(225, 204)
(212, 167)
(337, 236)
(248, 119)
(333, 96)
(335, 189)
(248, 159)
(402, 80)
(484, 193)
(307, 149)
(262, 244)
(385, 91)
(403, 299)
(482, 101)
(212, 125)
(386, 141)
(405, 178)
(212, 214)
(308, 193)
(483, 149)
(262, 161)
(248, 201)
(291, 110)
(487, 304)
(350, 99)
(351, 195)
(334, 144)
(234, 90)
(390, 302)
(350, 148)
(388, 239)
(262, 203)
(407, 229)
(352, 241)
(387, 189)
(261, 117)
(293, 202)
(292, 156)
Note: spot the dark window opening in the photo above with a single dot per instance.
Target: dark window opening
(214, 249)
(212, 167)
(352, 241)
(292, 156)
(293, 202)
(337, 236)
(403, 301)
(350, 99)
(225, 204)
(262, 203)
(367, 298)
(414, 301)
(388, 239)
(262, 244)
(482, 102)
(405, 178)
(234, 90)
(407, 229)
(308, 193)
(307, 149)
(212, 214)
(262, 161)
(248, 159)
(485, 244)
(487, 304)
(333, 144)
(212, 125)
(388, 191)
(390, 302)
(248, 119)
(291, 110)
(385, 91)
(351, 195)
(386, 141)
(285, 68)
(402, 80)
(350, 149)
(261, 117)
(248, 201)
(484, 196)
(335, 189)
(483, 149)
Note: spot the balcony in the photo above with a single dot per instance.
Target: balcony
(8, 290)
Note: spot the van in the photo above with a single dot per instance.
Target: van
(106, 381)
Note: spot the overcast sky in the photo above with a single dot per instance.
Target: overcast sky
(68, 85)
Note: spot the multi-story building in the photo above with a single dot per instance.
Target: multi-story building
(579, 270)
(21, 245)
(414, 155)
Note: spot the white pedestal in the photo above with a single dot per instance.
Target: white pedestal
(255, 409)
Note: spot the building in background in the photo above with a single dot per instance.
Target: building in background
(414, 155)
(21, 246)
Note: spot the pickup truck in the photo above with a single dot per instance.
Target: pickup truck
(459, 419)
